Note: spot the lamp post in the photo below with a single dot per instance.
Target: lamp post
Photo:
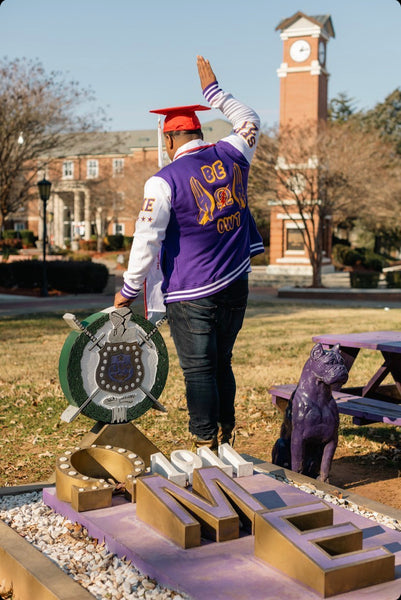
(44, 193)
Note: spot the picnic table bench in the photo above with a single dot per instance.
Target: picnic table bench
(363, 410)
(372, 402)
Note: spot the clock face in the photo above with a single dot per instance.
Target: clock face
(322, 52)
(300, 50)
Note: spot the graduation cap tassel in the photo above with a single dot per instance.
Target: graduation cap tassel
(159, 144)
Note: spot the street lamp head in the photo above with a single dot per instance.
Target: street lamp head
(44, 189)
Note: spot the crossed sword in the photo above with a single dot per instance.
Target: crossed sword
(71, 412)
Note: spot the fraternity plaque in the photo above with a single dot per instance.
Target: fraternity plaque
(113, 366)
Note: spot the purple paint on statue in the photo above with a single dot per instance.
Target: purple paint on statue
(309, 434)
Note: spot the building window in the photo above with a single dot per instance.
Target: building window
(118, 166)
(119, 228)
(92, 169)
(295, 240)
(68, 169)
(18, 226)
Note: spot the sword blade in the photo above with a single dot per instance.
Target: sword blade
(71, 412)
(158, 405)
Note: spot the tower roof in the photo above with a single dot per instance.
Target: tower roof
(322, 21)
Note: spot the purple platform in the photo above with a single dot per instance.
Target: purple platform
(227, 570)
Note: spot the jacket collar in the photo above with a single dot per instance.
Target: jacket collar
(192, 146)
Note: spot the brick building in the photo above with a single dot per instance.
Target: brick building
(97, 184)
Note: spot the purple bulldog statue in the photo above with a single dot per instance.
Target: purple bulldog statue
(309, 433)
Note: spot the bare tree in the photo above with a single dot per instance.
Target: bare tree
(36, 109)
(120, 196)
(331, 172)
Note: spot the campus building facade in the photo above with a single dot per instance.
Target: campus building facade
(97, 184)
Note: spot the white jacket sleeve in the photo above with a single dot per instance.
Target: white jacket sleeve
(245, 121)
(149, 234)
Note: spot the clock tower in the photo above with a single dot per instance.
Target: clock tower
(303, 99)
(303, 75)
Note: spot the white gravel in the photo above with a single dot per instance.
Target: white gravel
(344, 503)
(67, 544)
(102, 573)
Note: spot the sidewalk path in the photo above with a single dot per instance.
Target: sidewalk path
(337, 292)
(11, 305)
(24, 305)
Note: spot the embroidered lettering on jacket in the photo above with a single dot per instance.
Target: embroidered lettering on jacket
(223, 197)
(228, 223)
(147, 205)
(214, 171)
(248, 131)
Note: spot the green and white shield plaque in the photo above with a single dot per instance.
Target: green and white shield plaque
(113, 366)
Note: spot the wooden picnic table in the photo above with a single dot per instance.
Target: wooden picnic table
(372, 394)
(371, 402)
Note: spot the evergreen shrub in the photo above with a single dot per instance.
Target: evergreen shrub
(364, 279)
(361, 258)
(88, 245)
(10, 234)
(127, 242)
(393, 279)
(115, 242)
(27, 238)
(73, 277)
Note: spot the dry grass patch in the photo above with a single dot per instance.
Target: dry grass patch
(272, 348)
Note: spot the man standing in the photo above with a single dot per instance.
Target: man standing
(196, 215)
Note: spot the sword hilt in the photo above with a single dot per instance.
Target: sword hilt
(146, 338)
(76, 324)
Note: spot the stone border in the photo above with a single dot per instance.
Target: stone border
(27, 571)
(30, 574)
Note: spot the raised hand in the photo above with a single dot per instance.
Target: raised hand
(205, 71)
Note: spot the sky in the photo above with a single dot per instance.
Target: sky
(139, 55)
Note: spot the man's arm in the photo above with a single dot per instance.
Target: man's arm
(149, 234)
(245, 121)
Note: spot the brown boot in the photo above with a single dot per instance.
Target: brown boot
(226, 435)
(199, 443)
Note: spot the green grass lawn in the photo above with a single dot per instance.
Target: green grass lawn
(271, 349)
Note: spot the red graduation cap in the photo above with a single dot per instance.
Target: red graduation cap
(181, 118)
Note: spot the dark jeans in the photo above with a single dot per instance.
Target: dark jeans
(204, 332)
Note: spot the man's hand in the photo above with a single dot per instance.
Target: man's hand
(120, 301)
(205, 71)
